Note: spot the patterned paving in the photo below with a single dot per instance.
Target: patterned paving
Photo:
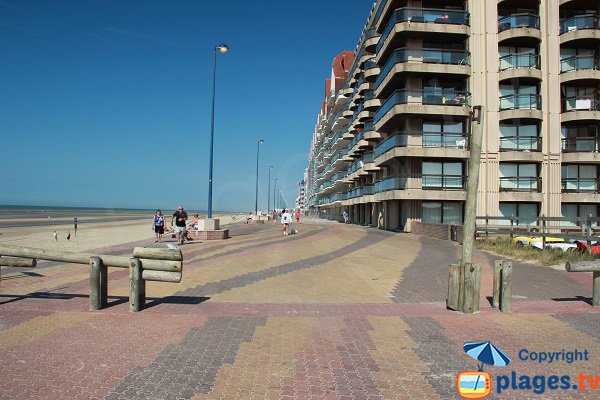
(335, 312)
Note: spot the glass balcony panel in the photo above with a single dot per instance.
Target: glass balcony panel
(514, 21)
(520, 102)
(519, 61)
(580, 103)
(584, 144)
(519, 184)
(578, 63)
(588, 21)
(520, 143)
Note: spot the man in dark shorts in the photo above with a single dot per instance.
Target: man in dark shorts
(180, 216)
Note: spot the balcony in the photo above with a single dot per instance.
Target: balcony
(522, 26)
(520, 66)
(405, 101)
(423, 61)
(577, 108)
(423, 20)
(520, 143)
(532, 184)
(580, 185)
(579, 27)
(371, 70)
(520, 106)
(589, 144)
(427, 182)
(422, 144)
(584, 67)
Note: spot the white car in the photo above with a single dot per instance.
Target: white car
(561, 246)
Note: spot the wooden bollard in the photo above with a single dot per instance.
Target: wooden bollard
(453, 287)
(497, 283)
(506, 287)
(472, 274)
(135, 285)
(95, 283)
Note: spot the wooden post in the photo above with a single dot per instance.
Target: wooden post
(477, 117)
(103, 284)
(506, 287)
(588, 223)
(596, 292)
(472, 275)
(486, 226)
(95, 291)
(543, 232)
(453, 287)
(497, 283)
(135, 284)
(511, 227)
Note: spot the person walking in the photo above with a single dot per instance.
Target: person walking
(274, 216)
(69, 236)
(297, 215)
(158, 225)
(180, 216)
(286, 220)
(55, 236)
(346, 216)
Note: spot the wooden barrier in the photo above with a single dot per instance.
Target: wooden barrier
(588, 266)
(463, 293)
(147, 264)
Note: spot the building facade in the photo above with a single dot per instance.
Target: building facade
(391, 144)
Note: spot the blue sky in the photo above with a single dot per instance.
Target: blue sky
(107, 103)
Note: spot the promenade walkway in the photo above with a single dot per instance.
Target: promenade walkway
(334, 312)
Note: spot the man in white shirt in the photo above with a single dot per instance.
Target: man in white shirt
(286, 220)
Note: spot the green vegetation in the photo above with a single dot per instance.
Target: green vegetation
(504, 247)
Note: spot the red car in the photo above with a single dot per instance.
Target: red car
(582, 248)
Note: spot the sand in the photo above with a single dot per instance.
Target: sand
(90, 235)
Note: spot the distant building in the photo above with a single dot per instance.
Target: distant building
(391, 143)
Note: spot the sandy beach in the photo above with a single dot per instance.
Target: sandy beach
(95, 229)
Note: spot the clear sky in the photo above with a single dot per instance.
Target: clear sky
(107, 103)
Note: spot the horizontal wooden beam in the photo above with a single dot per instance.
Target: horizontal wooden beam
(583, 266)
(8, 261)
(157, 253)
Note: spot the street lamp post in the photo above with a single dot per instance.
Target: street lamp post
(222, 48)
(274, 191)
(269, 191)
(260, 141)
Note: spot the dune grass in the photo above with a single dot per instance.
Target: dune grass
(504, 247)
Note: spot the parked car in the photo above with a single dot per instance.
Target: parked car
(564, 246)
(529, 240)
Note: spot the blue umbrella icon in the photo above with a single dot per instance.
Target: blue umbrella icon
(486, 353)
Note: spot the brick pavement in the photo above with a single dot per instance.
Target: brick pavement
(335, 312)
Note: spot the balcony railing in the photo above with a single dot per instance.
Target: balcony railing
(580, 103)
(580, 185)
(520, 184)
(428, 139)
(520, 102)
(579, 63)
(428, 182)
(589, 144)
(443, 182)
(513, 21)
(369, 126)
(423, 56)
(512, 61)
(520, 143)
(360, 191)
(423, 15)
(445, 97)
(587, 21)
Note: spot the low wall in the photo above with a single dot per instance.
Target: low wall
(438, 231)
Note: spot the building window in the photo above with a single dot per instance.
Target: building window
(526, 212)
(575, 210)
(579, 138)
(519, 177)
(519, 138)
(444, 134)
(442, 212)
(442, 175)
(579, 178)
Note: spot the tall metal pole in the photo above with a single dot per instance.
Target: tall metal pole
(256, 198)
(275, 191)
(269, 191)
(222, 48)
(212, 134)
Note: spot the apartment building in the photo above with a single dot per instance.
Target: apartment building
(391, 144)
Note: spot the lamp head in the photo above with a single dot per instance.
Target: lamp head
(222, 48)
(261, 141)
